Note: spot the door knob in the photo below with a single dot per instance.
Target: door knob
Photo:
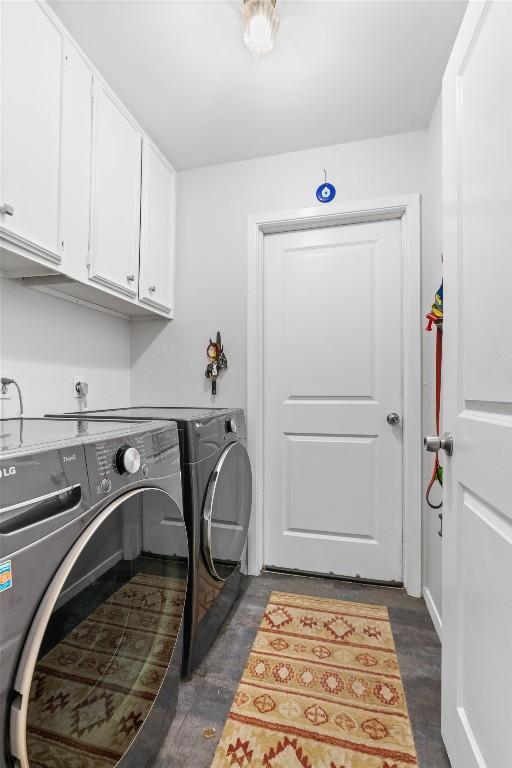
(434, 443)
(393, 418)
(7, 209)
(130, 278)
(152, 288)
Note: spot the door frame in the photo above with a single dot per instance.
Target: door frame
(406, 208)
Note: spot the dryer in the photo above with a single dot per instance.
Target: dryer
(217, 494)
(91, 599)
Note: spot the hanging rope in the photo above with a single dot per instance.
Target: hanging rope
(435, 318)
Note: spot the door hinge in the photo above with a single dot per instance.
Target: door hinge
(440, 531)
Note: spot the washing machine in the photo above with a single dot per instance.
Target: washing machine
(91, 595)
(217, 493)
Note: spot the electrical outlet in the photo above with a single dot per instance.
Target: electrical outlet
(76, 380)
(81, 391)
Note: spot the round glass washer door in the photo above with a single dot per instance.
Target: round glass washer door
(103, 637)
(227, 511)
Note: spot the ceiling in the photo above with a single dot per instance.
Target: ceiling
(340, 71)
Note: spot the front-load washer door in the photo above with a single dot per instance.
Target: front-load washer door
(227, 511)
(102, 641)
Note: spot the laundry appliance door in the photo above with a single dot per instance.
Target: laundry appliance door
(98, 675)
(227, 511)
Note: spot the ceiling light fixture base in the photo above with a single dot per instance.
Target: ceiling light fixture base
(260, 23)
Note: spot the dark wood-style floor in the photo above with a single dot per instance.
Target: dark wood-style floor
(205, 700)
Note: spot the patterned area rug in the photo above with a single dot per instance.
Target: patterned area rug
(92, 692)
(321, 689)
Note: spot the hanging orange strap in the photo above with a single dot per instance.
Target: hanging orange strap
(437, 471)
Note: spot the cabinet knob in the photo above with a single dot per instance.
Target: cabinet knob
(152, 288)
(130, 278)
(7, 209)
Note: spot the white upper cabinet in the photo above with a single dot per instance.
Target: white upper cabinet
(32, 51)
(115, 215)
(71, 175)
(156, 281)
(75, 163)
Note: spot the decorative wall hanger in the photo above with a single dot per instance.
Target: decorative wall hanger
(218, 361)
(326, 192)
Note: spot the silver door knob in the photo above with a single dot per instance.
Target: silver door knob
(434, 443)
(393, 418)
(130, 278)
(7, 209)
(152, 288)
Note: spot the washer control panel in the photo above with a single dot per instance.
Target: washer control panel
(139, 454)
(162, 453)
(114, 463)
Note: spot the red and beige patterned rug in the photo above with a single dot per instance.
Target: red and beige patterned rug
(92, 692)
(321, 689)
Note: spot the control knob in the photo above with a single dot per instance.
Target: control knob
(106, 485)
(127, 460)
(231, 426)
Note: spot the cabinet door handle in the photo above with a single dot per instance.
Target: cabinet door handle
(152, 288)
(7, 209)
(130, 278)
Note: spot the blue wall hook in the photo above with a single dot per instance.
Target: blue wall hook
(325, 192)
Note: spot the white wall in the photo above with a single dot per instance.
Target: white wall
(431, 279)
(168, 360)
(46, 341)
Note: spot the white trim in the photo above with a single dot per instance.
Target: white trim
(406, 208)
(21, 245)
(434, 613)
(42, 288)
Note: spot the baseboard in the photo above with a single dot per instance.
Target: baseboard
(434, 613)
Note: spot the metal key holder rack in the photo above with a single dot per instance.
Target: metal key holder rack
(217, 361)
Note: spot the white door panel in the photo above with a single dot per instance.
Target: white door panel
(76, 163)
(332, 372)
(315, 370)
(156, 285)
(339, 458)
(116, 194)
(31, 116)
(477, 544)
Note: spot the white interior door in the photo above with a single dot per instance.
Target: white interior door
(332, 374)
(477, 543)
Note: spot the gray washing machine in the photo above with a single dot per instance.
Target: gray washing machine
(91, 595)
(217, 493)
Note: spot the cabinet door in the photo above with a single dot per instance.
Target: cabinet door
(31, 114)
(76, 163)
(115, 219)
(156, 284)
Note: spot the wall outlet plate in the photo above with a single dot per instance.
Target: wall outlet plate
(76, 380)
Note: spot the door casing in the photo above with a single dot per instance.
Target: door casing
(406, 208)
